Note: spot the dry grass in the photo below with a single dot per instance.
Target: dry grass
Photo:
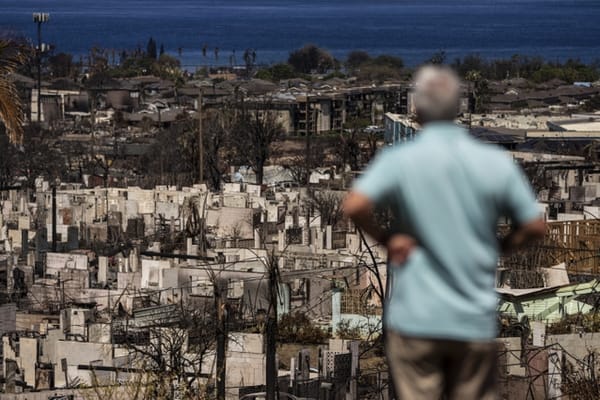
(288, 350)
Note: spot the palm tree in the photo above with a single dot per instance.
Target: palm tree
(11, 110)
(478, 88)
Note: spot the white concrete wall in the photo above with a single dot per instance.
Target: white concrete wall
(227, 220)
(79, 353)
(245, 362)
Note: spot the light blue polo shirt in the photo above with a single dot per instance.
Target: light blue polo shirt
(448, 191)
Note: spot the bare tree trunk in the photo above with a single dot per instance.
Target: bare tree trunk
(221, 339)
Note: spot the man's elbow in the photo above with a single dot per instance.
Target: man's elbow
(535, 230)
(356, 205)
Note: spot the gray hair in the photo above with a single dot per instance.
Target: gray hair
(436, 95)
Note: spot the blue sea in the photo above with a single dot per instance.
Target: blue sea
(413, 30)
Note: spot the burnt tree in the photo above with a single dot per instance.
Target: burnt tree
(257, 130)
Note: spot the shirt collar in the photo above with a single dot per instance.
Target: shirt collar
(443, 129)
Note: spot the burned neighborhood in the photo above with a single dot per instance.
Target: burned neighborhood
(177, 232)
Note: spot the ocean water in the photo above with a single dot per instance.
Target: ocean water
(413, 30)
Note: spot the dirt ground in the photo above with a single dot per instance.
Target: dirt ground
(369, 361)
(290, 149)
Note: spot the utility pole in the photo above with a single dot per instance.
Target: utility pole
(271, 331)
(200, 140)
(308, 151)
(354, 350)
(220, 299)
(469, 105)
(39, 19)
(39, 70)
(107, 164)
(62, 293)
(111, 328)
(54, 235)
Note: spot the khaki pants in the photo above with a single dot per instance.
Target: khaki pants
(424, 369)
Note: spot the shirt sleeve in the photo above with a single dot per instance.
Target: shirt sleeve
(520, 204)
(378, 181)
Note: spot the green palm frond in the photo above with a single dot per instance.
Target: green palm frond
(11, 110)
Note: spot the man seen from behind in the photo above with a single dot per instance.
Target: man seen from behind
(446, 193)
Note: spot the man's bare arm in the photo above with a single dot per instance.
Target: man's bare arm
(523, 235)
(359, 208)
